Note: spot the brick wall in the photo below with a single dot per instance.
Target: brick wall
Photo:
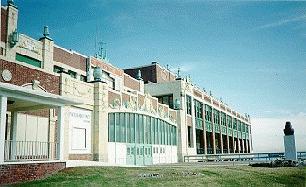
(152, 73)
(140, 100)
(69, 58)
(163, 75)
(173, 114)
(107, 67)
(154, 103)
(148, 73)
(41, 112)
(3, 24)
(22, 75)
(113, 96)
(14, 173)
(125, 98)
(131, 83)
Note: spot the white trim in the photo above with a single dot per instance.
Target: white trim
(35, 96)
(60, 133)
(3, 109)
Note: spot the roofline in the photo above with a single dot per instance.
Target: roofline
(149, 65)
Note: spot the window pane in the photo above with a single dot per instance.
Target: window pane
(141, 128)
(122, 127)
(111, 127)
(132, 128)
(137, 128)
(128, 127)
(117, 127)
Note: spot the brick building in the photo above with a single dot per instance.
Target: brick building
(206, 125)
(59, 105)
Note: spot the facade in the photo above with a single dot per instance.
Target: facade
(58, 105)
(206, 125)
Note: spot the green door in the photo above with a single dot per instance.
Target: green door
(130, 154)
(139, 155)
(148, 159)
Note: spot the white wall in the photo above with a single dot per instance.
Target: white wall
(79, 131)
(32, 128)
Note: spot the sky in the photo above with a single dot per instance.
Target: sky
(250, 54)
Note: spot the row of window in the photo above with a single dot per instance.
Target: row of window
(73, 74)
(219, 117)
(142, 129)
(147, 151)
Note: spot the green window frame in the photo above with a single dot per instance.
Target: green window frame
(198, 108)
(216, 117)
(235, 124)
(239, 125)
(208, 113)
(223, 119)
(142, 129)
(28, 60)
(229, 122)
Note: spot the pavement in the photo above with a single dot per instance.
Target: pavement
(85, 163)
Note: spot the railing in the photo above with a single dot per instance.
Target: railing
(240, 157)
(30, 150)
(200, 151)
(210, 150)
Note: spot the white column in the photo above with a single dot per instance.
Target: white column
(60, 133)
(3, 109)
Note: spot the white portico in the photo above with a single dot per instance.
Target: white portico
(16, 99)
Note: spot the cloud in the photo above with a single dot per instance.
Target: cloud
(184, 67)
(282, 22)
(267, 133)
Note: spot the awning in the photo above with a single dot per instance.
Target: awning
(23, 99)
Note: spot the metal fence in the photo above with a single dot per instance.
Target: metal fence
(240, 157)
(30, 150)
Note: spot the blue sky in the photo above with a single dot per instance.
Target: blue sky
(252, 54)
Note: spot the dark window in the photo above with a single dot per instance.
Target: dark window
(190, 136)
(216, 116)
(229, 121)
(57, 69)
(166, 99)
(188, 103)
(72, 73)
(198, 108)
(235, 124)
(83, 78)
